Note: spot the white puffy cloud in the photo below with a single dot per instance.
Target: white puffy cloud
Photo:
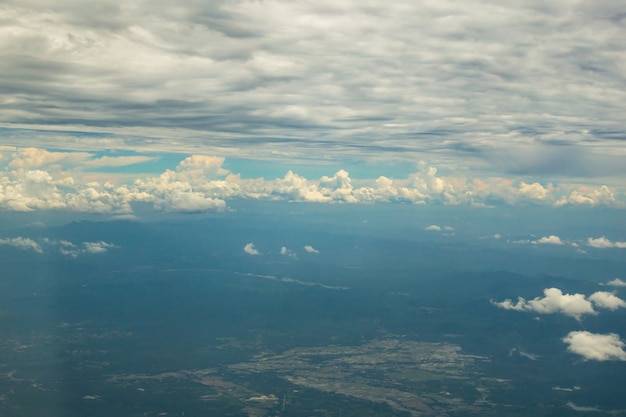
(608, 300)
(310, 249)
(22, 243)
(574, 305)
(200, 183)
(297, 188)
(598, 347)
(436, 228)
(585, 195)
(554, 301)
(548, 240)
(189, 202)
(616, 283)
(603, 243)
(198, 168)
(38, 190)
(250, 249)
(534, 191)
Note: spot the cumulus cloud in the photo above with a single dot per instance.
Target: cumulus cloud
(310, 249)
(199, 183)
(201, 167)
(574, 305)
(189, 202)
(616, 283)
(607, 300)
(603, 243)
(598, 347)
(433, 227)
(250, 249)
(548, 240)
(554, 301)
(22, 243)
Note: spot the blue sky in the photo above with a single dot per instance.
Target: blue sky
(479, 103)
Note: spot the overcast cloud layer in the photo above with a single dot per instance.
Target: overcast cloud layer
(526, 88)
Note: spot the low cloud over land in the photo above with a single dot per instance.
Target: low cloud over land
(603, 243)
(22, 243)
(310, 249)
(250, 249)
(598, 347)
(573, 305)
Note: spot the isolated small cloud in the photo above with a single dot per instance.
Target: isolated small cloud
(125, 217)
(603, 243)
(597, 347)
(70, 249)
(67, 248)
(448, 228)
(23, 243)
(554, 301)
(607, 300)
(548, 240)
(497, 236)
(616, 283)
(250, 249)
(69, 252)
(286, 252)
(584, 409)
(97, 247)
(433, 227)
(311, 249)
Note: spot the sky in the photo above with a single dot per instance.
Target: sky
(186, 105)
